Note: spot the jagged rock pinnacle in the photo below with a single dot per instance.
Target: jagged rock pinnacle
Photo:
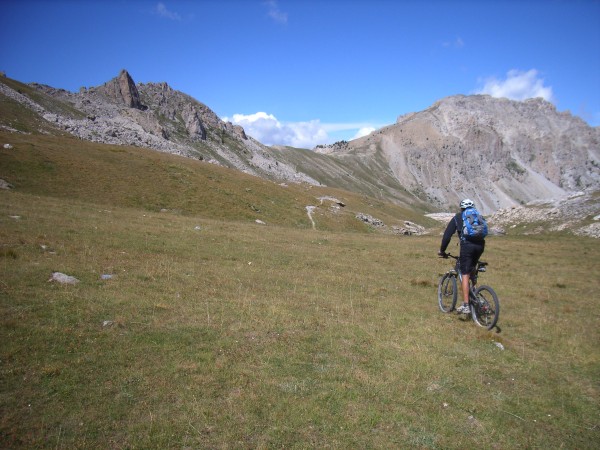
(122, 89)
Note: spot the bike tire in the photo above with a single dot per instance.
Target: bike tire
(485, 308)
(447, 293)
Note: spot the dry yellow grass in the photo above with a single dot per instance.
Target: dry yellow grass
(239, 335)
(215, 332)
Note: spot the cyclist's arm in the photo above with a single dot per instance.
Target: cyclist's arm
(450, 230)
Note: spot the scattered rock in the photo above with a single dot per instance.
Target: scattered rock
(409, 229)
(5, 184)
(370, 220)
(260, 222)
(8, 146)
(592, 230)
(333, 200)
(47, 249)
(562, 214)
(62, 278)
(497, 231)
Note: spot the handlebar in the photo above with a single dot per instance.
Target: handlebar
(448, 255)
(480, 264)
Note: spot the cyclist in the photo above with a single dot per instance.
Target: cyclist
(470, 252)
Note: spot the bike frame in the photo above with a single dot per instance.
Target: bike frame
(483, 300)
(473, 280)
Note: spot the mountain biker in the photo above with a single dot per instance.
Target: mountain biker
(470, 252)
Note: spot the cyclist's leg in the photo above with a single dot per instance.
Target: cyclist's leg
(465, 269)
(470, 253)
(465, 287)
(478, 251)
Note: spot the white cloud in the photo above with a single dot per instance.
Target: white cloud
(518, 85)
(348, 126)
(162, 11)
(274, 12)
(268, 130)
(364, 131)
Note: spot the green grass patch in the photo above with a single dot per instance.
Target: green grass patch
(225, 334)
(192, 326)
(140, 178)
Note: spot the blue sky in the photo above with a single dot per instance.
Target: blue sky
(307, 72)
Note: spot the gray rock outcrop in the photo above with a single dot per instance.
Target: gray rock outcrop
(499, 152)
(577, 212)
(122, 89)
(154, 115)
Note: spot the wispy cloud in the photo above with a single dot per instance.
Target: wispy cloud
(267, 129)
(456, 43)
(517, 85)
(274, 12)
(163, 11)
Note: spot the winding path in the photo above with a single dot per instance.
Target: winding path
(309, 211)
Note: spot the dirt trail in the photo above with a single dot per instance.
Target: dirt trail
(309, 211)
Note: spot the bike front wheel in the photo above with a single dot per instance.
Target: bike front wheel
(485, 308)
(447, 292)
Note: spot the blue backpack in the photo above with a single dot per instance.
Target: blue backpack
(475, 227)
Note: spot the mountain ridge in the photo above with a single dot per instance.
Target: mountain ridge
(512, 153)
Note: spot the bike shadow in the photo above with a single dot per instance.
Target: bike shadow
(496, 329)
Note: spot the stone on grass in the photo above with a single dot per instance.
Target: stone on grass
(5, 184)
(63, 279)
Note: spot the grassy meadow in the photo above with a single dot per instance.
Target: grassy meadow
(216, 332)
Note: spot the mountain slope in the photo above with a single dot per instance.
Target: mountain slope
(500, 152)
(151, 115)
(111, 176)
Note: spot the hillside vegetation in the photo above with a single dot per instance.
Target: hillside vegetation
(501, 153)
(136, 177)
(192, 326)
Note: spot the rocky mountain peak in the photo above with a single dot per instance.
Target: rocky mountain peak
(156, 116)
(123, 90)
(499, 152)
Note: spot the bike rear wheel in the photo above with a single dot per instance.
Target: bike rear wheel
(447, 292)
(485, 308)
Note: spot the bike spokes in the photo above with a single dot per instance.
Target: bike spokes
(485, 307)
(447, 293)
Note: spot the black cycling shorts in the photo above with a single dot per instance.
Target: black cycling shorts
(470, 252)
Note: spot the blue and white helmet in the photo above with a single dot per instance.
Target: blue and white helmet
(467, 203)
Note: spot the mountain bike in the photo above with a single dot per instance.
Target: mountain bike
(483, 301)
